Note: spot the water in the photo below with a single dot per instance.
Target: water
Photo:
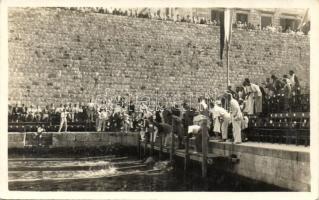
(110, 173)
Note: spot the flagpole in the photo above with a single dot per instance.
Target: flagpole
(227, 63)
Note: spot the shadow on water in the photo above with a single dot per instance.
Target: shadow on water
(98, 172)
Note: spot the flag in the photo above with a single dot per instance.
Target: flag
(228, 25)
(305, 19)
(225, 30)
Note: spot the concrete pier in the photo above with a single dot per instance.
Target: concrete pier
(73, 139)
(286, 166)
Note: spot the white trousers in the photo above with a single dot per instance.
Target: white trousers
(225, 125)
(217, 125)
(154, 136)
(63, 121)
(236, 130)
(101, 125)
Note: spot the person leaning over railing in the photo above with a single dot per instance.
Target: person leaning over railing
(221, 119)
(254, 102)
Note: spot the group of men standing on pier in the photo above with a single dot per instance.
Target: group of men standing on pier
(188, 122)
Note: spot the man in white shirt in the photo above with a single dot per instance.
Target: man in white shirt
(64, 120)
(90, 111)
(74, 111)
(196, 131)
(59, 109)
(254, 102)
(31, 113)
(103, 116)
(236, 118)
(220, 113)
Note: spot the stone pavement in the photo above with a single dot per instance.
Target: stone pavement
(286, 147)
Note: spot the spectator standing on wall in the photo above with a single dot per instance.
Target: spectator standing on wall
(90, 111)
(64, 120)
(287, 95)
(14, 113)
(37, 113)
(269, 88)
(97, 109)
(103, 116)
(31, 113)
(20, 112)
(295, 86)
(45, 113)
(40, 130)
(202, 21)
(80, 113)
(52, 118)
(188, 19)
(70, 111)
(74, 110)
(24, 112)
(277, 84)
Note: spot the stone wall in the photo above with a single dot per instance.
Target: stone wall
(59, 56)
(72, 139)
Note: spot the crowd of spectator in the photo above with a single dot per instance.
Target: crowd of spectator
(123, 115)
(192, 19)
(275, 95)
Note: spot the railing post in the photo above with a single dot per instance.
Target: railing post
(172, 143)
(152, 143)
(186, 161)
(145, 147)
(161, 147)
(204, 147)
(138, 147)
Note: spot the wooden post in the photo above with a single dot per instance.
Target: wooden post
(161, 148)
(204, 147)
(172, 143)
(138, 147)
(145, 147)
(152, 143)
(186, 161)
